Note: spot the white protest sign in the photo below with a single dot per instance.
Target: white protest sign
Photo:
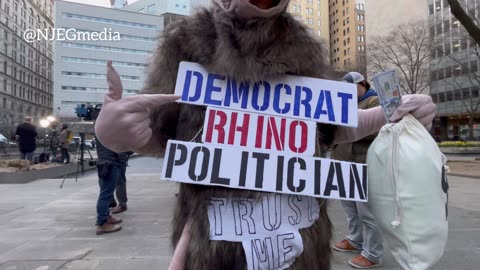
(256, 131)
(267, 226)
(260, 170)
(286, 96)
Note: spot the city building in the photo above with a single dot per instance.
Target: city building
(348, 35)
(454, 72)
(160, 7)
(314, 13)
(25, 67)
(170, 11)
(127, 38)
(118, 3)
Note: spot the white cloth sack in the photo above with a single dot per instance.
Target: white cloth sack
(407, 193)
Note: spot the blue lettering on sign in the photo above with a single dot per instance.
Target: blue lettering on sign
(325, 97)
(276, 98)
(211, 88)
(345, 97)
(266, 96)
(305, 102)
(236, 94)
(198, 86)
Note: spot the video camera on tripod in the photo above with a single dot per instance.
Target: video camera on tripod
(88, 112)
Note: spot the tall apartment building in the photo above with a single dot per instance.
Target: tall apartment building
(160, 7)
(25, 67)
(118, 3)
(314, 13)
(171, 10)
(80, 65)
(348, 35)
(454, 64)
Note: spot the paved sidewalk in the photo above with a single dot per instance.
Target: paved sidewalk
(43, 227)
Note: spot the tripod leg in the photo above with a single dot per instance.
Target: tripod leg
(77, 149)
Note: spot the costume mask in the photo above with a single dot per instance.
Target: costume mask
(245, 9)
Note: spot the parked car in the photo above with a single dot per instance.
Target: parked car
(3, 140)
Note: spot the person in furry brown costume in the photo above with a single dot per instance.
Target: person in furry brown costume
(244, 50)
(246, 41)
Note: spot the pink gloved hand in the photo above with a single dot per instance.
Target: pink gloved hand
(124, 123)
(420, 106)
(180, 254)
(370, 121)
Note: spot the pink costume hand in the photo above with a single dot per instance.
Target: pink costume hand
(370, 121)
(180, 254)
(124, 124)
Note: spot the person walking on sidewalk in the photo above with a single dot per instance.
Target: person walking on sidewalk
(109, 167)
(364, 235)
(26, 136)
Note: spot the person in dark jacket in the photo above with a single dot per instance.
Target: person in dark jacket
(364, 236)
(110, 167)
(26, 136)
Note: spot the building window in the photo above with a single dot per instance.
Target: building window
(475, 92)
(466, 93)
(449, 96)
(441, 97)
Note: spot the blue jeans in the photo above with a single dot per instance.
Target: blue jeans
(27, 156)
(363, 232)
(107, 177)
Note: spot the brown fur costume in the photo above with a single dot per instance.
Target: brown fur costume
(244, 50)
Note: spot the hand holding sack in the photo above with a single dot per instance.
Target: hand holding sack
(408, 186)
(124, 123)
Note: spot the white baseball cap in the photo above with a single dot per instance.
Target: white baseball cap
(353, 77)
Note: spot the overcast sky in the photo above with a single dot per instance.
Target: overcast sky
(381, 15)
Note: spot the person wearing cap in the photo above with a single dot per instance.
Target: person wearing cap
(364, 235)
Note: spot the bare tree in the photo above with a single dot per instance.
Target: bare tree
(407, 50)
(467, 21)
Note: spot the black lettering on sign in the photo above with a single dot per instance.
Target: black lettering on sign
(284, 247)
(335, 172)
(294, 220)
(280, 173)
(261, 157)
(216, 179)
(355, 182)
(242, 213)
(204, 164)
(217, 215)
(291, 168)
(243, 169)
(171, 161)
(262, 253)
(318, 178)
(272, 210)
